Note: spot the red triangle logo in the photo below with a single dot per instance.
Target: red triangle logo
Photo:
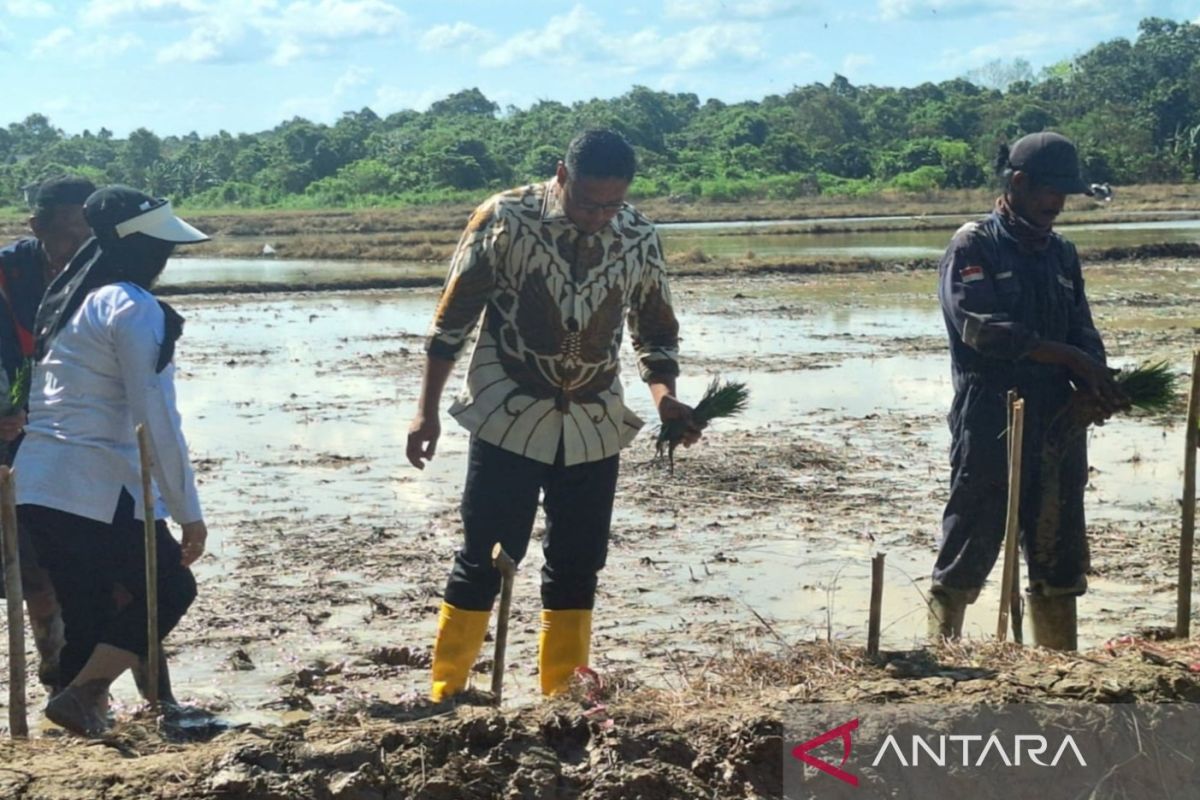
(801, 752)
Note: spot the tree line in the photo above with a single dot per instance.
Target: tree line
(1132, 106)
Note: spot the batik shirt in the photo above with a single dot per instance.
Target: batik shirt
(548, 302)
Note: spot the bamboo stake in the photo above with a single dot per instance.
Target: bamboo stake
(18, 723)
(1187, 533)
(1015, 605)
(1016, 433)
(153, 652)
(876, 605)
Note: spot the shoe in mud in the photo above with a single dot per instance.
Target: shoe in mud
(75, 709)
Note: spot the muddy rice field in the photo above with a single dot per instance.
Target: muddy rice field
(734, 587)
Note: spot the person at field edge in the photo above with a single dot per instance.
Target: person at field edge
(554, 270)
(104, 363)
(26, 267)
(1012, 294)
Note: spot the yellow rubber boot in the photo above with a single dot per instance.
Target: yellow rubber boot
(563, 645)
(459, 638)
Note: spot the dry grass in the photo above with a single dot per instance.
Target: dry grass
(760, 678)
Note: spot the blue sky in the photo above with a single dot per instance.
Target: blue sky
(176, 66)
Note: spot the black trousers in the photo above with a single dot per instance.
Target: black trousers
(87, 559)
(499, 504)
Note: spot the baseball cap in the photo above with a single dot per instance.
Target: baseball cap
(1051, 160)
(118, 211)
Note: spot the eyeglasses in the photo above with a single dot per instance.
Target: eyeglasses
(588, 207)
(599, 206)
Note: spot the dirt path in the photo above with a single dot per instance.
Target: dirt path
(720, 736)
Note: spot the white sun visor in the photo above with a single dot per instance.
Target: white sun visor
(160, 222)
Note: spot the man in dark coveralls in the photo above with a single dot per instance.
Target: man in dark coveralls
(1012, 294)
(26, 267)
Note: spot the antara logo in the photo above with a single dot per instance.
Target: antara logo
(1024, 746)
(840, 732)
(1031, 746)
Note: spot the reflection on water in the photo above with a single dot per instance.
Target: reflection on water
(225, 271)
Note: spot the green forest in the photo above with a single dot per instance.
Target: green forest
(1133, 107)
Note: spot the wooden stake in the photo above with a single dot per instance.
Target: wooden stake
(1016, 436)
(876, 605)
(1016, 606)
(18, 724)
(508, 572)
(153, 652)
(1187, 532)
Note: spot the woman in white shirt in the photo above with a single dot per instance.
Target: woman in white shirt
(104, 365)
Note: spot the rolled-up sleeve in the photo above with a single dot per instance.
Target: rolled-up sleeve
(967, 291)
(653, 328)
(470, 282)
(137, 330)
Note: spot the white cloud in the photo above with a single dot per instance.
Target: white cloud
(389, 99)
(52, 41)
(1026, 45)
(737, 9)
(326, 107)
(701, 46)
(451, 37)
(337, 20)
(854, 63)
(290, 50)
(213, 40)
(578, 37)
(29, 9)
(229, 31)
(351, 79)
(566, 38)
(797, 60)
(92, 47)
(107, 12)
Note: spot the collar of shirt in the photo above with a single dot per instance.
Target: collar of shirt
(553, 210)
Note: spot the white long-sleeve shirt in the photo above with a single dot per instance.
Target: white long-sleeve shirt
(96, 382)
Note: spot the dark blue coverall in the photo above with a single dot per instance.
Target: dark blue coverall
(1000, 298)
(22, 283)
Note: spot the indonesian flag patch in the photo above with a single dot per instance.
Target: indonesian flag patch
(972, 274)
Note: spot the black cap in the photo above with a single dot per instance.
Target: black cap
(115, 212)
(65, 190)
(1051, 160)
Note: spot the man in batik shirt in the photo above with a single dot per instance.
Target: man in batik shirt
(548, 274)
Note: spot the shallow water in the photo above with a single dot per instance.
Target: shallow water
(849, 221)
(910, 244)
(900, 245)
